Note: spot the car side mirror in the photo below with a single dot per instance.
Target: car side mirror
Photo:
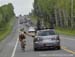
(33, 36)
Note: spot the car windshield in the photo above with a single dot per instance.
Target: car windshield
(46, 33)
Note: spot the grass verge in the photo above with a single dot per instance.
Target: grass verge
(66, 31)
(7, 30)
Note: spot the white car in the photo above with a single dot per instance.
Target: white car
(31, 31)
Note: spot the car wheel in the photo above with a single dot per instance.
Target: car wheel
(35, 49)
(58, 47)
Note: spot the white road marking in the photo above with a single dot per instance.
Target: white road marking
(14, 50)
(69, 39)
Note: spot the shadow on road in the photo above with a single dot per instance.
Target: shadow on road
(41, 50)
(51, 49)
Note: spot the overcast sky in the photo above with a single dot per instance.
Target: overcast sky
(20, 6)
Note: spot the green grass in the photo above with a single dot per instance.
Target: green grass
(7, 30)
(66, 31)
(4, 33)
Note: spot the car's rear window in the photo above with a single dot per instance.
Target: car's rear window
(45, 33)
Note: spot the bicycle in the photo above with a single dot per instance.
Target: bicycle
(23, 44)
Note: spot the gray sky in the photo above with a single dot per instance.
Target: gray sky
(20, 6)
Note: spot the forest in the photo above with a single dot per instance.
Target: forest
(57, 13)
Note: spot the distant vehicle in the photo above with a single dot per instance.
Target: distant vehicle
(46, 39)
(27, 24)
(21, 22)
(31, 31)
(25, 21)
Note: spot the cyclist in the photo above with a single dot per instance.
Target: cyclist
(22, 38)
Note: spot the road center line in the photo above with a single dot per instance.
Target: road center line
(70, 51)
(14, 50)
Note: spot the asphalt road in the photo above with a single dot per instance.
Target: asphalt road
(10, 47)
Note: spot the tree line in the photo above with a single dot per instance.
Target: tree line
(6, 14)
(58, 13)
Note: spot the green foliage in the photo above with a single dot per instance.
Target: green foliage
(6, 13)
(58, 12)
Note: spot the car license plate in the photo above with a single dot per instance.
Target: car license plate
(46, 40)
(47, 45)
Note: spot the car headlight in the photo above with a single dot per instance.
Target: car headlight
(55, 38)
(38, 39)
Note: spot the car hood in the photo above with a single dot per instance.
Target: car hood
(50, 36)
